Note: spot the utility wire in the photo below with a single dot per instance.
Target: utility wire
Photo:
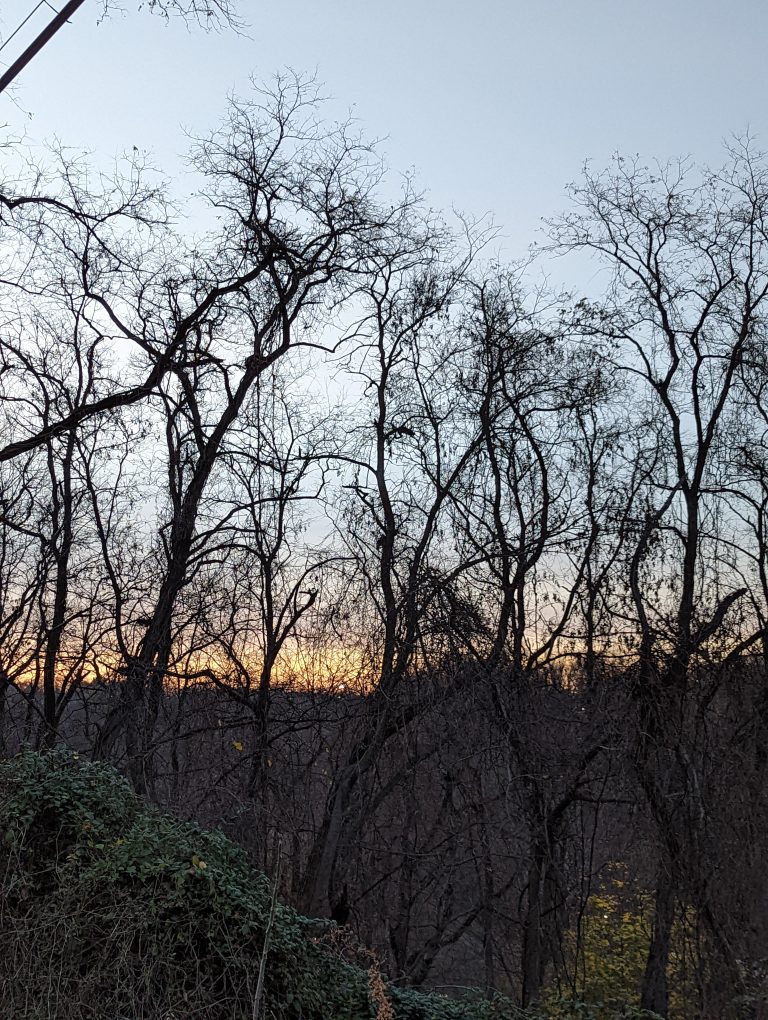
(37, 44)
(43, 3)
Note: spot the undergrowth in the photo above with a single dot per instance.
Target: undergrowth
(112, 911)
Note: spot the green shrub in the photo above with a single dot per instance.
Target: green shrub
(609, 956)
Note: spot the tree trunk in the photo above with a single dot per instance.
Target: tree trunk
(62, 548)
(318, 898)
(534, 948)
(654, 990)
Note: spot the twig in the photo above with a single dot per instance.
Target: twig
(267, 936)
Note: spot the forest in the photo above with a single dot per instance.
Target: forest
(441, 591)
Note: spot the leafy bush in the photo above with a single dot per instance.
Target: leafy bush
(112, 910)
(609, 955)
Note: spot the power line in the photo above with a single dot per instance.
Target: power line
(43, 3)
(37, 44)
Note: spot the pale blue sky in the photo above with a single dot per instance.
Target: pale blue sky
(496, 104)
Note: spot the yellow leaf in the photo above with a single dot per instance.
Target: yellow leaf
(238, 745)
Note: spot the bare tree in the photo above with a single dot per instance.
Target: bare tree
(403, 465)
(298, 231)
(690, 283)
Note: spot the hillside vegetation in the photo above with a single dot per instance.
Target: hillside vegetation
(111, 909)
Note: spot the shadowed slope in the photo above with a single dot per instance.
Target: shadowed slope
(110, 909)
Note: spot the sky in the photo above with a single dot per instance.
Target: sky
(495, 103)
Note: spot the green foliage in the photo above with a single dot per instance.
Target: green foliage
(615, 939)
(112, 910)
(592, 1009)
(608, 957)
(117, 910)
